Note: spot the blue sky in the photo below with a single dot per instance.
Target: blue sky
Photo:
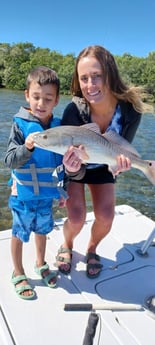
(67, 26)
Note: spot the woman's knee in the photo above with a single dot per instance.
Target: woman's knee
(105, 216)
(76, 216)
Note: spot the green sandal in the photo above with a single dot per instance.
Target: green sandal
(22, 288)
(48, 277)
(95, 265)
(66, 261)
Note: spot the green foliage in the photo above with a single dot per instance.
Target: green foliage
(138, 71)
(65, 72)
(18, 59)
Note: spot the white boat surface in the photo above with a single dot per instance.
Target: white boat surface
(117, 297)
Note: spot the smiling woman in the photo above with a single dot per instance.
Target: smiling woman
(99, 96)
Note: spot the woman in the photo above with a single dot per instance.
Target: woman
(100, 96)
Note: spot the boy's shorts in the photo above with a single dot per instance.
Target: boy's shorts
(28, 216)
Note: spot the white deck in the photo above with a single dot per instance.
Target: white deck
(127, 278)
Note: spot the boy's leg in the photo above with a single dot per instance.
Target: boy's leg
(20, 233)
(40, 241)
(16, 251)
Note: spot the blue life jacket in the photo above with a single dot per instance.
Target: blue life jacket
(42, 175)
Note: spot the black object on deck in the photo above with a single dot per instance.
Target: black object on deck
(91, 329)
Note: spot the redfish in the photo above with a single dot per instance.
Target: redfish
(98, 148)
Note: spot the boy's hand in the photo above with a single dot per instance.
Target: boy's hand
(29, 142)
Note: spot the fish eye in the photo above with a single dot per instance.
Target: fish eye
(45, 136)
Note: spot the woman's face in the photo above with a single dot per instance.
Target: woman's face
(91, 80)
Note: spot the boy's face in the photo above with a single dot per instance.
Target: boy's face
(42, 100)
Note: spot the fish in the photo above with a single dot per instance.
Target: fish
(98, 148)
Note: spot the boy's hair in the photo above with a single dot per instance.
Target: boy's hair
(43, 76)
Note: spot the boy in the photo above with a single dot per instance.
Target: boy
(35, 177)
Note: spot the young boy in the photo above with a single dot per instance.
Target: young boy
(36, 175)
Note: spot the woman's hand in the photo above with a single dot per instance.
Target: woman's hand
(123, 164)
(62, 202)
(71, 159)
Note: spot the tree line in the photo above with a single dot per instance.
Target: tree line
(17, 60)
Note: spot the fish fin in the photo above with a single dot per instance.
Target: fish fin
(115, 138)
(92, 127)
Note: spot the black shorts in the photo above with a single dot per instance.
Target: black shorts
(99, 175)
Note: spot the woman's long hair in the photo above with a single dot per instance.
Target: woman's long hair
(111, 77)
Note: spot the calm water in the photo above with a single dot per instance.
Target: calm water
(132, 187)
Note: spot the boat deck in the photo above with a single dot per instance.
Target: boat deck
(118, 295)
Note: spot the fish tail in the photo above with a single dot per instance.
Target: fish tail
(149, 171)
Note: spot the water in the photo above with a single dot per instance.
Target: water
(132, 187)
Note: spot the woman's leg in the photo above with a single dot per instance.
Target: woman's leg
(76, 212)
(103, 198)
